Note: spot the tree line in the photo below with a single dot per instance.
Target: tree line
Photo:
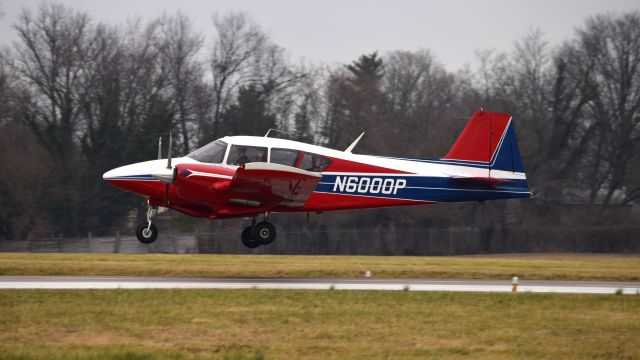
(79, 97)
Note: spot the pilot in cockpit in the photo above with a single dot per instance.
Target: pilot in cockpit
(242, 157)
(262, 155)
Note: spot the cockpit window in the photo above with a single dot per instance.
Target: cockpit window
(314, 162)
(284, 156)
(210, 153)
(241, 154)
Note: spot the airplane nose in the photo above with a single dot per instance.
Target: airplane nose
(130, 175)
(136, 177)
(108, 175)
(113, 177)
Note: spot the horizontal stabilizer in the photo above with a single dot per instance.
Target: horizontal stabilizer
(480, 181)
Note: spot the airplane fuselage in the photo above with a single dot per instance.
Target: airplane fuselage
(350, 181)
(243, 176)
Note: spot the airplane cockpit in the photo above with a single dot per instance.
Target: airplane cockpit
(214, 153)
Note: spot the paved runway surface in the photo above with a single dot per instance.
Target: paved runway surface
(133, 282)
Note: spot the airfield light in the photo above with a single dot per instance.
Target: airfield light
(367, 274)
(514, 284)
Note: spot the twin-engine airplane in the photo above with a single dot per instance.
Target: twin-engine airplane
(245, 176)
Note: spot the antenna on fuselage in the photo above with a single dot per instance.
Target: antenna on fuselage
(354, 143)
(276, 130)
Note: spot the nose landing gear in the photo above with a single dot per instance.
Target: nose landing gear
(263, 233)
(147, 231)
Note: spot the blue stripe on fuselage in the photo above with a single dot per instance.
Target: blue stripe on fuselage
(134, 177)
(423, 188)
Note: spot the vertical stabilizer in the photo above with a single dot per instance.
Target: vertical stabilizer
(489, 138)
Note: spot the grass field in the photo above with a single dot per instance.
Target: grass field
(258, 324)
(554, 266)
(239, 324)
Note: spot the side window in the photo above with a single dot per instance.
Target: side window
(210, 153)
(314, 162)
(241, 154)
(284, 156)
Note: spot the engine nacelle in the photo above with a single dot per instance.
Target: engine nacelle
(202, 183)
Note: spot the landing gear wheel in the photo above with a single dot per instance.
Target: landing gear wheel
(265, 232)
(248, 240)
(146, 234)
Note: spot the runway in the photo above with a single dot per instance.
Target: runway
(133, 282)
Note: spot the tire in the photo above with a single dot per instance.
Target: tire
(146, 236)
(265, 232)
(248, 240)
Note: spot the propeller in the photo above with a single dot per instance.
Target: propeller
(166, 186)
(166, 176)
(169, 155)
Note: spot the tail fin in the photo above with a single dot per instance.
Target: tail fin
(489, 138)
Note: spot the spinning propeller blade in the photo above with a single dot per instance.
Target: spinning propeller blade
(160, 148)
(169, 156)
(166, 186)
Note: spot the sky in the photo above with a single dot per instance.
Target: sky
(339, 31)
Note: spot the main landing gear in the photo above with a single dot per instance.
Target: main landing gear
(147, 232)
(262, 233)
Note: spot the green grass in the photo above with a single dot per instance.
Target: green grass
(254, 324)
(554, 266)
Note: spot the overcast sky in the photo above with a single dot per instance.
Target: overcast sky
(338, 31)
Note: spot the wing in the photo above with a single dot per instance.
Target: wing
(246, 190)
(262, 184)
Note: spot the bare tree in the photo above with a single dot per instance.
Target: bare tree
(243, 56)
(277, 80)
(614, 45)
(51, 57)
(419, 92)
(181, 49)
(239, 45)
(336, 109)
(309, 104)
(50, 62)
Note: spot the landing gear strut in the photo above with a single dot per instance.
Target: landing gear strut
(263, 233)
(147, 232)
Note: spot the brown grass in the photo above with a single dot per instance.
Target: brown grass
(546, 266)
(168, 324)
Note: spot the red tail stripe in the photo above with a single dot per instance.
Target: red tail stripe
(480, 137)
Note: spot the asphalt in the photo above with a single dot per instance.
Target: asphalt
(135, 282)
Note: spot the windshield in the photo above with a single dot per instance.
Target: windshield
(211, 153)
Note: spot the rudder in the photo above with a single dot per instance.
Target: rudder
(488, 138)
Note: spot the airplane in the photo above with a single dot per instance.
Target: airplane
(249, 176)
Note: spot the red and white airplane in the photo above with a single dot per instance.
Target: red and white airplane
(245, 176)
